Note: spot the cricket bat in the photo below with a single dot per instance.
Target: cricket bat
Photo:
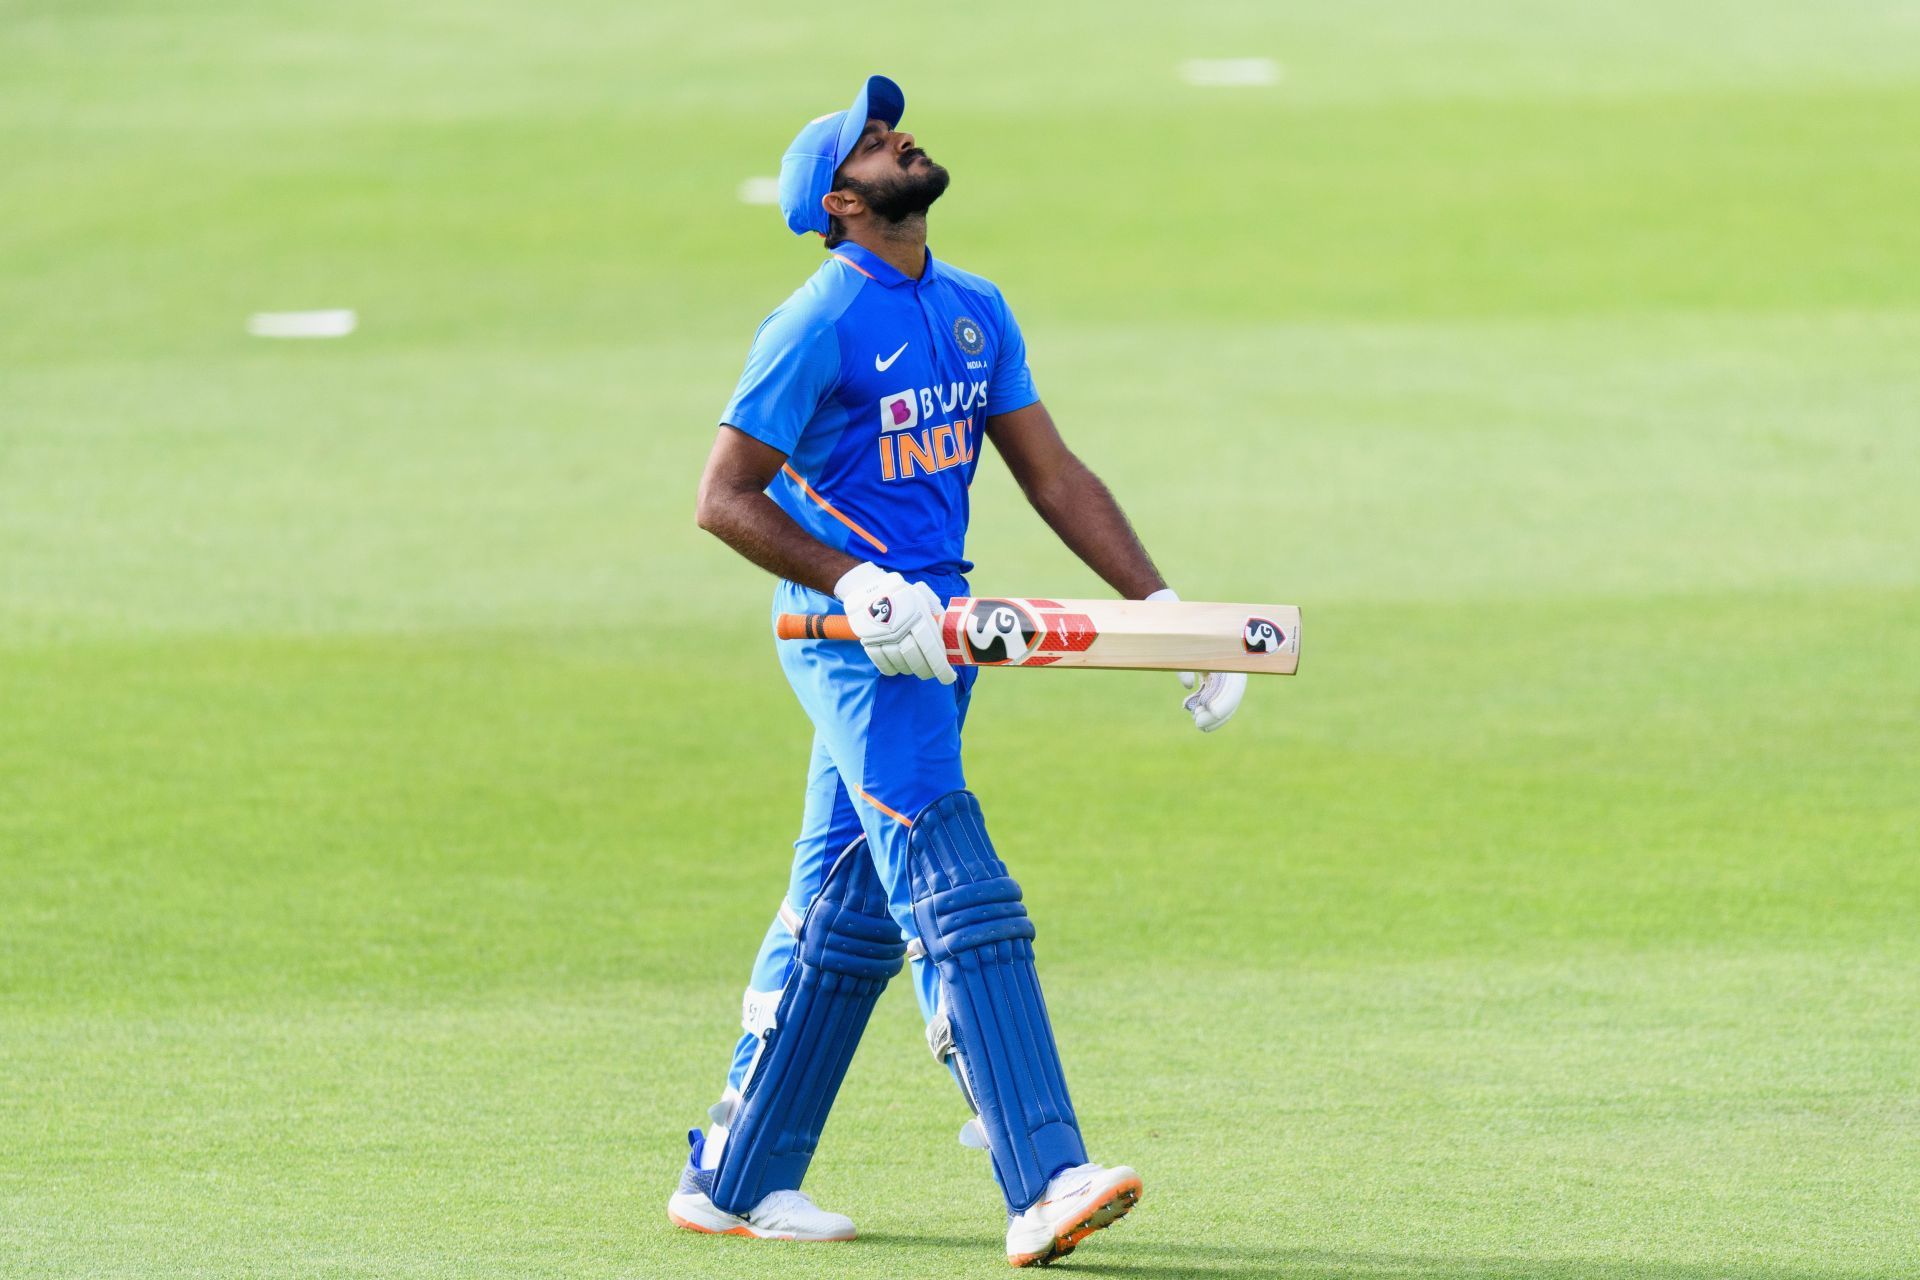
(1166, 635)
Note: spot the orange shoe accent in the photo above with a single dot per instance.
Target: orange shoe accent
(1097, 1218)
(679, 1221)
(747, 1232)
(830, 509)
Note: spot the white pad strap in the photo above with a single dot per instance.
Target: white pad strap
(940, 1040)
(940, 1037)
(758, 1008)
(757, 1012)
(721, 1114)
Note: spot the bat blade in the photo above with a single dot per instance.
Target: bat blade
(1021, 631)
(998, 631)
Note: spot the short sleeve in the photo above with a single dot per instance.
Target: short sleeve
(1012, 386)
(791, 370)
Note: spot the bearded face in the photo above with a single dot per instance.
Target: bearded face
(909, 187)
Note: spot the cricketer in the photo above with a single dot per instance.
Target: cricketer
(842, 465)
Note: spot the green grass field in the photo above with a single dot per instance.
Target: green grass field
(394, 784)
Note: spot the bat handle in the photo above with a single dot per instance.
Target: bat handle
(813, 626)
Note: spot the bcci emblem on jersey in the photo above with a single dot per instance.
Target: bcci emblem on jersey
(968, 335)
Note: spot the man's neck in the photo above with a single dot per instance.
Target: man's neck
(901, 245)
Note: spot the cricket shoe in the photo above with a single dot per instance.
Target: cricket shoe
(780, 1215)
(1077, 1202)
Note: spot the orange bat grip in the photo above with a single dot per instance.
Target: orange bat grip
(813, 626)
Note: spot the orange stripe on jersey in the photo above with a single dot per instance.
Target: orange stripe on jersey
(856, 266)
(898, 817)
(831, 510)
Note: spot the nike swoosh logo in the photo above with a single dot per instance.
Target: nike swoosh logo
(881, 366)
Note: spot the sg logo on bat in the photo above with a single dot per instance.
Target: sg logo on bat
(997, 632)
(1260, 635)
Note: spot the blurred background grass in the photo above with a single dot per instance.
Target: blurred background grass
(394, 784)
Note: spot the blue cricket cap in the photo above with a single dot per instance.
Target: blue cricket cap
(806, 171)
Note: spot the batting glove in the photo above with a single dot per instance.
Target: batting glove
(1216, 695)
(897, 622)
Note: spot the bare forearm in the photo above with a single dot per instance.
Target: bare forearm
(755, 526)
(1080, 508)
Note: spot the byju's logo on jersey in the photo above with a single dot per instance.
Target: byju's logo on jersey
(900, 411)
(1262, 636)
(936, 445)
(997, 632)
(968, 335)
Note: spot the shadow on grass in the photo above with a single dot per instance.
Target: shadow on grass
(1161, 1260)
(1203, 1261)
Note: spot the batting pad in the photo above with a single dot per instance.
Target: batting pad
(977, 934)
(848, 948)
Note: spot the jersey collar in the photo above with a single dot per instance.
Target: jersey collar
(878, 269)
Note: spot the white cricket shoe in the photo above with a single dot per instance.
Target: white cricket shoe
(1077, 1202)
(780, 1215)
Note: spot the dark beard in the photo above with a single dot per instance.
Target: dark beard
(911, 193)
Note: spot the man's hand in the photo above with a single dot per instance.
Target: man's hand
(1218, 695)
(898, 622)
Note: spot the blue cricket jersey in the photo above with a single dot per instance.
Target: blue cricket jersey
(876, 386)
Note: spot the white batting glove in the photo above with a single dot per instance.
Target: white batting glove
(1218, 693)
(1218, 697)
(898, 622)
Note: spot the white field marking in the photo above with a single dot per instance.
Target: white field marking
(302, 324)
(1230, 73)
(760, 191)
